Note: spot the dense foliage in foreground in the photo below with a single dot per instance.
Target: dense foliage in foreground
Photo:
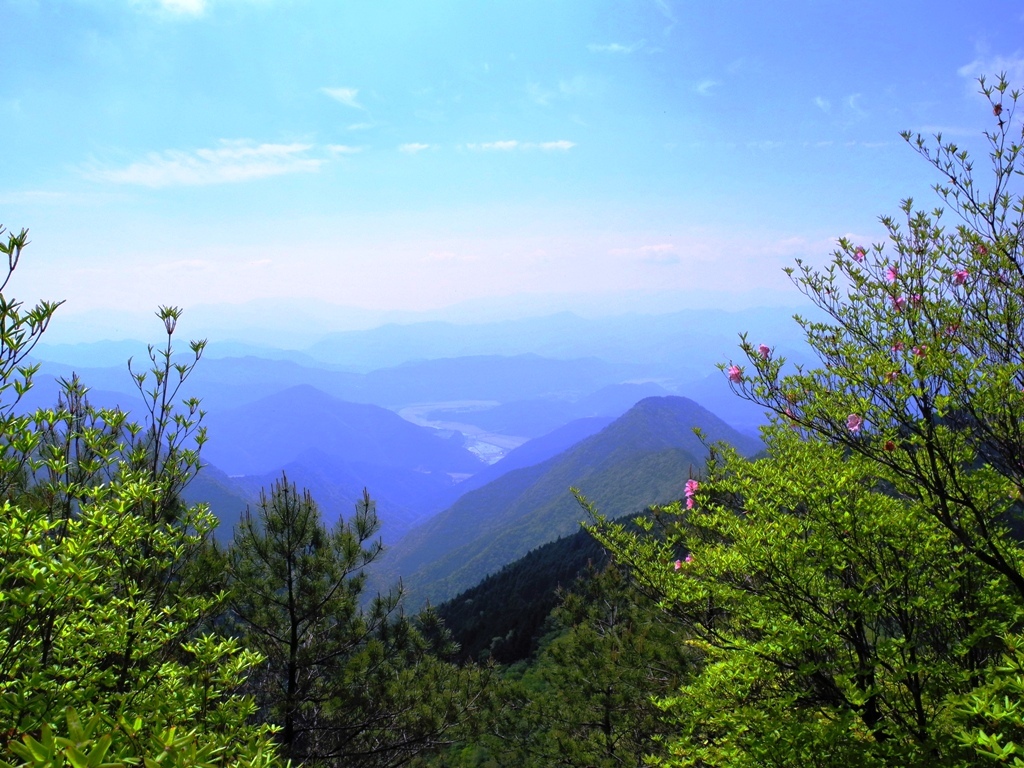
(856, 596)
(128, 637)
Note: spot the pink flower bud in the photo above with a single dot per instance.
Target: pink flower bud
(960, 276)
(854, 422)
(858, 254)
(764, 350)
(735, 374)
(891, 274)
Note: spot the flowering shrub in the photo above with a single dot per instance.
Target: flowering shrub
(856, 593)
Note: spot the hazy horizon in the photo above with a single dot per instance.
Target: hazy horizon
(464, 159)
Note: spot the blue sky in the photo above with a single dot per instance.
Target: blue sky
(523, 155)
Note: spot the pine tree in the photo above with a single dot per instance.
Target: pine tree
(347, 685)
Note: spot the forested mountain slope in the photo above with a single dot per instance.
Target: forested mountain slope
(640, 459)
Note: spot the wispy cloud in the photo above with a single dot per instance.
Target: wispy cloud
(513, 144)
(823, 104)
(765, 144)
(413, 148)
(704, 86)
(990, 66)
(853, 103)
(615, 47)
(173, 8)
(192, 8)
(578, 85)
(33, 196)
(231, 162)
(189, 7)
(668, 13)
(346, 96)
(575, 86)
(343, 149)
(539, 94)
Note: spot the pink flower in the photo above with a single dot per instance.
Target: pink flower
(916, 299)
(854, 422)
(735, 374)
(891, 376)
(679, 564)
(899, 302)
(891, 274)
(764, 350)
(858, 254)
(689, 558)
(981, 249)
(951, 330)
(960, 276)
(920, 351)
(897, 347)
(691, 487)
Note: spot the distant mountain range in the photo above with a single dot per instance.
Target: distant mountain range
(641, 458)
(330, 414)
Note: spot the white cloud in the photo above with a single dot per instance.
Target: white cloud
(562, 145)
(704, 86)
(346, 96)
(343, 149)
(852, 101)
(500, 146)
(413, 148)
(232, 161)
(615, 47)
(823, 104)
